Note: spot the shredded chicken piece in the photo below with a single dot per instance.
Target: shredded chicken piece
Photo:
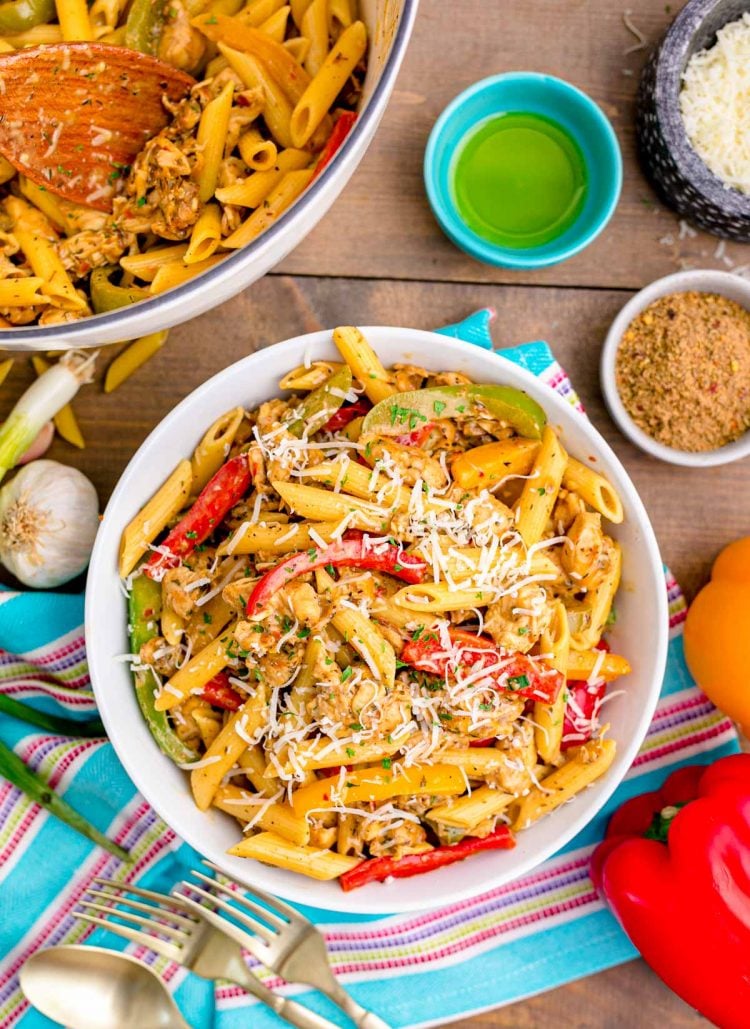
(517, 621)
(180, 44)
(412, 462)
(157, 653)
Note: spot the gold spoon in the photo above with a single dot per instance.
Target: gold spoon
(74, 115)
(95, 988)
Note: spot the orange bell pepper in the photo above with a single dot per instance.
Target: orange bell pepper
(717, 641)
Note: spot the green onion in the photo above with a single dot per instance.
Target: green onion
(42, 400)
(93, 727)
(34, 786)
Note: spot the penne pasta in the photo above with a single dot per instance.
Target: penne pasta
(177, 272)
(321, 505)
(467, 812)
(200, 669)
(36, 238)
(213, 448)
(153, 517)
(540, 491)
(226, 749)
(206, 235)
(374, 785)
(364, 363)
(73, 16)
(258, 153)
(275, 26)
(549, 718)
(313, 26)
(594, 489)
(278, 200)
(22, 292)
(598, 603)
(279, 539)
(212, 133)
(329, 80)
(587, 764)
(277, 108)
(315, 862)
(132, 358)
(275, 818)
(145, 266)
(252, 191)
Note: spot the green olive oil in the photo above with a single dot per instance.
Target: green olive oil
(519, 180)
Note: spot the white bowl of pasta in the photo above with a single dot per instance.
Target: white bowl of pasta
(373, 641)
(287, 107)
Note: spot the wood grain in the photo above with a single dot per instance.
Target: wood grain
(455, 44)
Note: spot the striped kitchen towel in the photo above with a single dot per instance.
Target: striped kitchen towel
(415, 970)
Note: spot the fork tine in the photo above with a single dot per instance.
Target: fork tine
(167, 950)
(242, 900)
(267, 898)
(149, 909)
(261, 930)
(163, 899)
(147, 923)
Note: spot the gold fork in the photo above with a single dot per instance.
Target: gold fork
(168, 926)
(284, 941)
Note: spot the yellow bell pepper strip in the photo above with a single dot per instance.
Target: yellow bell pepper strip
(20, 15)
(407, 411)
(373, 785)
(144, 608)
(38, 789)
(378, 869)
(482, 467)
(319, 406)
(105, 296)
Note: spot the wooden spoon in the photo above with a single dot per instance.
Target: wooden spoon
(73, 116)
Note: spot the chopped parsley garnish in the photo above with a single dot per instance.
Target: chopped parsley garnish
(191, 535)
(356, 726)
(438, 407)
(346, 674)
(303, 634)
(350, 752)
(518, 682)
(417, 632)
(386, 762)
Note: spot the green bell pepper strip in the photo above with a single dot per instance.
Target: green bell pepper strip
(144, 25)
(20, 15)
(105, 296)
(144, 608)
(318, 406)
(407, 411)
(38, 789)
(92, 727)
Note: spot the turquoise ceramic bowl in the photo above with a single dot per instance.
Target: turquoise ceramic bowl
(526, 92)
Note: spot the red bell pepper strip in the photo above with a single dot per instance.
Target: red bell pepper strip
(340, 131)
(355, 551)
(581, 712)
(226, 488)
(219, 692)
(680, 885)
(456, 653)
(416, 437)
(341, 418)
(378, 869)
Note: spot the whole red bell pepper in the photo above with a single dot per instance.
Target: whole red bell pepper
(460, 654)
(358, 551)
(377, 869)
(344, 124)
(217, 498)
(220, 692)
(675, 869)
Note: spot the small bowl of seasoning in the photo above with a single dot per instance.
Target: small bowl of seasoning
(693, 116)
(522, 170)
(675, 369)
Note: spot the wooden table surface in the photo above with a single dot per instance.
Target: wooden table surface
(379, 258)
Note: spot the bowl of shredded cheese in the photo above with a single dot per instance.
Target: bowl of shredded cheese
(693, 120)
(675, 368)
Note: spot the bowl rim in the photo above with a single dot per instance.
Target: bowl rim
(709, 280)
(369, 900)
(444, 209)
(668, 78)
(167, 305)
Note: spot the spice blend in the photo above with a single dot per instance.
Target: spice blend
(683, 370)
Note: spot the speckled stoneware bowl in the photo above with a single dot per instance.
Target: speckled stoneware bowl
(676, 171)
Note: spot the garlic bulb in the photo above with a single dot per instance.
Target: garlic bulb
(49, 515)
